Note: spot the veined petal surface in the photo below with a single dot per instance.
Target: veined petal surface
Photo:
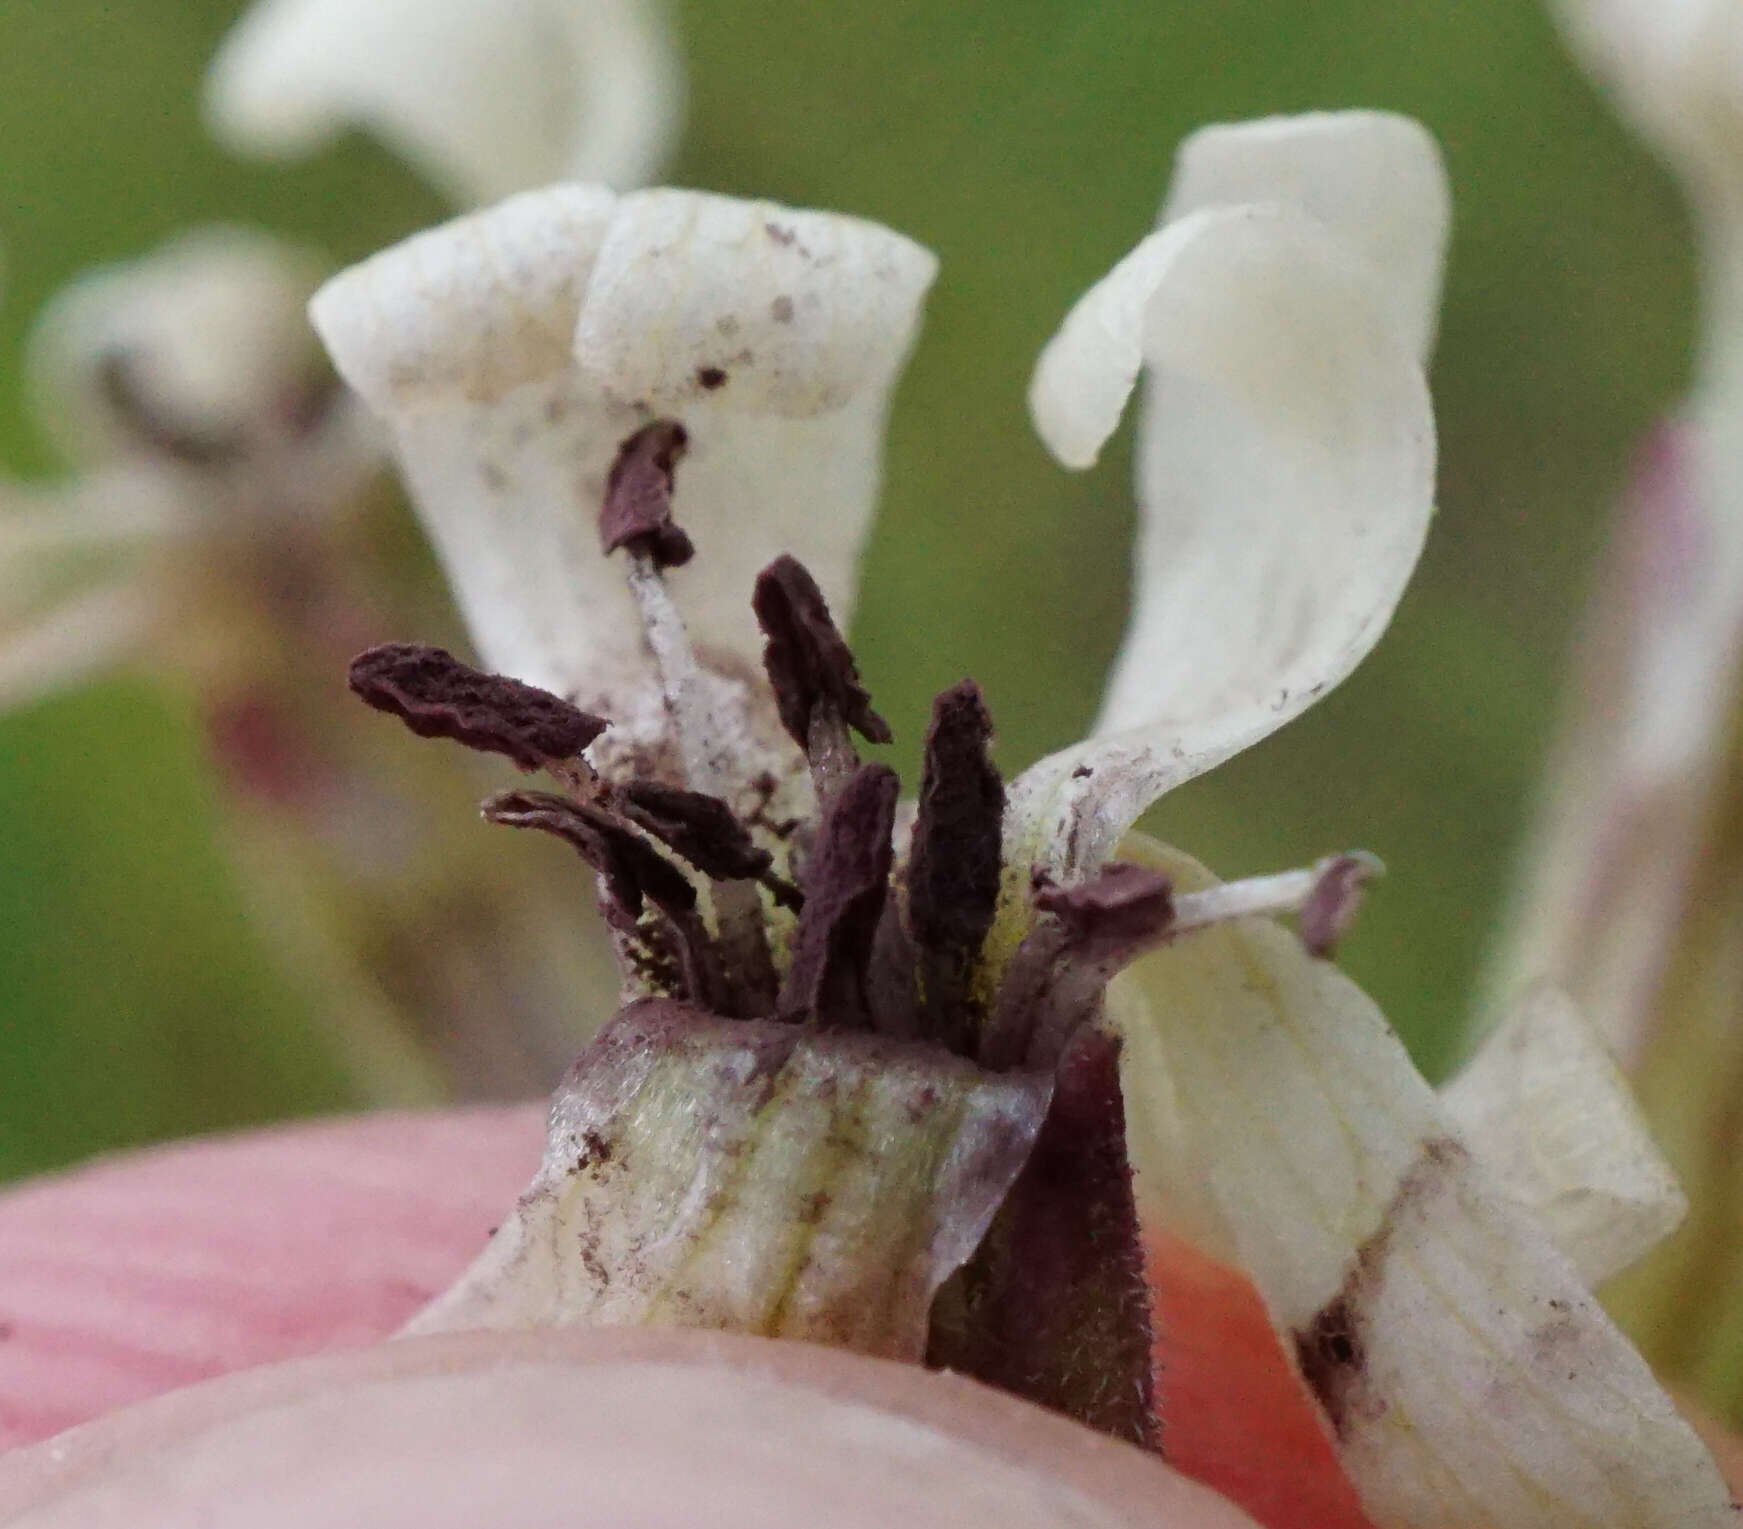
(1286, 482)
(485, 97)
(1461, 1365)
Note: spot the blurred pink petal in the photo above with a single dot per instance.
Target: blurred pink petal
(147, 1272)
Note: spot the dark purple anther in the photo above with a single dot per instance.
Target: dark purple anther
(437, 696)
(637, 513)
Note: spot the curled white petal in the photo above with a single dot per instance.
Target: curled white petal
(485, 97)
(1286, 482)
(511, 353)
(1551, 1115)
(1464, 1371)
(1374, 179)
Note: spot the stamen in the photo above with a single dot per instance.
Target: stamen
(1331, 906)
(846, 883)
(1326, 896)
(636, 518)
(953, 876)
(437, 696)
(704, 831)
(1055, 980)
(815, 679)
(1054, 983)
(630, 870)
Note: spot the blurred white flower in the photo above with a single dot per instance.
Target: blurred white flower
(561, 350)
(190, 397)
(1631, 787)
(484, 97)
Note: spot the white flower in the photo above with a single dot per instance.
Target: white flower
(188, 393)
(485, 97)
(1431, 1286)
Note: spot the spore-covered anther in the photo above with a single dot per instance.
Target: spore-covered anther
(808, 661)
(953, 874)
(637, 513)
(846, 883)
(437, 696)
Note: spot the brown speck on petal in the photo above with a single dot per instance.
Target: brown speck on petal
(437, 696)
(637, 513)
(807, 659)
(846, 882)
(711, 377)
(953, 878)
(1331, 1349)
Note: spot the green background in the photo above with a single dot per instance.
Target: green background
(1028, 142)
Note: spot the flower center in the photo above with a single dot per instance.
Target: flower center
(795, 986)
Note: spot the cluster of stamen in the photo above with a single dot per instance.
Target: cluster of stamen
(845, 932)
(823, 924)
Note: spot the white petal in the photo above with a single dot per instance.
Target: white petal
(1463, 1369)
(486, 97)
(1544, 1104)
(1373, 178)
(511, 353)
(1286, 481)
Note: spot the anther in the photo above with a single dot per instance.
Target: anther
(631, 872)
(636, 518)
(846, 882)
(437, 696)
(705, 832)
(1324, 896)
(816, 682)
(1055, 980)
(953, 875)
(637, 513)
